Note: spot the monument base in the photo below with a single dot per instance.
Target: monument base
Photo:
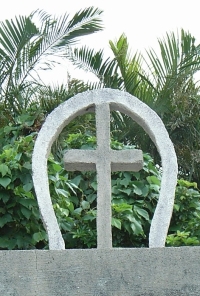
(109, 272)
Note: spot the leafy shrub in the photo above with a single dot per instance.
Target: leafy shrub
(20, 224)
(134, 198)
(185, 224)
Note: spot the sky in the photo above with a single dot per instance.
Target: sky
(143, 22)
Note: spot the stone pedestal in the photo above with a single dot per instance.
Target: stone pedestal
(116, 272)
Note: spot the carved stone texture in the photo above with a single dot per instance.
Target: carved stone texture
(105, 160)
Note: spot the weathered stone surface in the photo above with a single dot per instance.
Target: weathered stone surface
(104, 160)
(115, 272)
(103, 100)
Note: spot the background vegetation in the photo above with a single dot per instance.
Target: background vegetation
(165, 81)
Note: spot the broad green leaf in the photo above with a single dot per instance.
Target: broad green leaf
(38, 236)
(176, 207)
(142, 213)
(62, 192)
(8, 129)
(122, 207)
(64, 212)
(78, 211)
(155, 187)
(5, 219)
(136, 227)
(153, 180)
(27, 203)
(145, 190)
(25, 178)
(116, 201)
(137, 191)
(21, 241)
(152, 168)
(72, 186)
(138, 187)
(85, 205)
(27, 165)
(116, 223)
(26, 212)
(27, 187)
(28, 139)
(4, 196)
(4, 169)
(71, 207)
(77, 180)
(94, 185)
(91, 197)
(136, 175)
(113, 182)
(127, 175)
(125, 182)
(89, 217)
(7, 243)
(138, 184)
(130, 217)
(126, 190)
(115, 190)
(65, 226)
(74, 199)
(186, 183)
(8, 152)
(57, 167)
(52, 178)
(5, 181)
(18, 156)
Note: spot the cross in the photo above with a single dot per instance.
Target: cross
(103, 160)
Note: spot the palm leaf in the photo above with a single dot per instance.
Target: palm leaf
(130, 66)
(93, 61)
(24, 47)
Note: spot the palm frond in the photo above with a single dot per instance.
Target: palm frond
(93, 61)
(24, 46)
(84, 22)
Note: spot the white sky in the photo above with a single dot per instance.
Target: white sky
(143, 21)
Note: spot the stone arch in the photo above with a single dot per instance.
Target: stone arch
(139, 112)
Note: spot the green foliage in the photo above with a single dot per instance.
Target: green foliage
(27, 48)
(50, 97)
(176, 97)
(165, 81)
(169, 89)
(185, 223)
(75, 214)
(20, 224)
(134, 197)
(182, 238)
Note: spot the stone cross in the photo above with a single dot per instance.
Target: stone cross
(104, 160)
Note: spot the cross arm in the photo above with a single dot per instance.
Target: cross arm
(80, 160)
(121, 160)
(126, 160)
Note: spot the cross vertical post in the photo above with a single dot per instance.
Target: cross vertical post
(103, 166)
(103, 160)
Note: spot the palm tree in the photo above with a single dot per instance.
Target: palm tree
(167, 85)
(177, 96)
(124, 71)
(27, 46)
